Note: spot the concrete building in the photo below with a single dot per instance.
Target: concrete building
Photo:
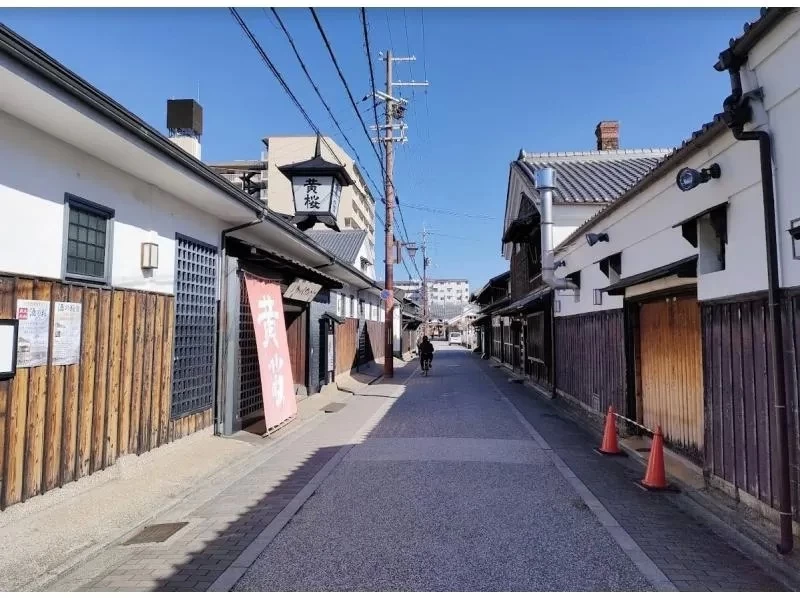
(263, 179)
(440, 290)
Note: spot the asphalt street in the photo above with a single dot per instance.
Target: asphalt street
(451, 491)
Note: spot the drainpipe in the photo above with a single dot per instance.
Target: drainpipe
(545, 183)
(222, 322)
(738, 112)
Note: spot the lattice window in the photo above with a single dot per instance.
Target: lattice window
(195, 327)
(250, 397)
(88, 239)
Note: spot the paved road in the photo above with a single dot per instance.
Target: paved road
(457, 490)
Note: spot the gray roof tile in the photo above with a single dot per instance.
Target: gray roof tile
(593, 177)
(345, 244)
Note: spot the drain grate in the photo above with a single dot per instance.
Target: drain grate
(643, 450)
(333, 407)
(156, 533)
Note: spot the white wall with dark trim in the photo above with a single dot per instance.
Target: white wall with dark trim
(772, 65)
(642, 229)
(36, 170)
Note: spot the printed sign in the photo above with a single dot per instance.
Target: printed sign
(34, 328)
(277, 385)
(331, 355)
(302, 290)
(67, 333)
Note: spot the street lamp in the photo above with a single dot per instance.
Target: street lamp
(316, 189)
(411, 248)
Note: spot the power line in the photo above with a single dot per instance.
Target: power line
(286, 88)
(314, 85)
(449, 212)
(346, 87)
(275, 71)
(425, 73)
(371, 70)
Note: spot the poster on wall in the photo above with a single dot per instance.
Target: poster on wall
(66, 333)
(331, 365)
(34, 332)
(277, 385)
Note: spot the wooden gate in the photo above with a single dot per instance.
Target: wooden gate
(671, 370)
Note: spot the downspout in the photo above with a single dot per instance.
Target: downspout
(545, 183)
(222, 322)
(738, 112)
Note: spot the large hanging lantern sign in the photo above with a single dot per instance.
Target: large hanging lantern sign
(316, 189)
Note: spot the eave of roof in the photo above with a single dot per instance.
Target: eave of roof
(754, 32)
(45, 66)
(699, 140)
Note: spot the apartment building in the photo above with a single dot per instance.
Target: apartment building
(440, 290)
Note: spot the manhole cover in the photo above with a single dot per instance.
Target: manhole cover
(333, 407)
(156, 533)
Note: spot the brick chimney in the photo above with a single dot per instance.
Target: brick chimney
(607, 133)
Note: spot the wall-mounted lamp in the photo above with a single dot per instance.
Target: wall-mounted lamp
(593, 238)
(794, 232)
(149, 256)
(559, 264)
(689, 178)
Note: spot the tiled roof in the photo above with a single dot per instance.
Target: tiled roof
(446, 311)
(698, 140)
(592, 177)
(753, 32)
(345, 244)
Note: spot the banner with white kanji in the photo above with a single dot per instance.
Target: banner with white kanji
(277, 385)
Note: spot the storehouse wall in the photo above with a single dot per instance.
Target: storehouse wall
(590, 359)
(740, 417)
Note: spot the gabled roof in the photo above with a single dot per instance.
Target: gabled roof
(699, 139)
(345, 244)
(495, 282)
(592, 177)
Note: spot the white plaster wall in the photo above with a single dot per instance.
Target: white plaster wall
(35, 172)
(774, 63)
(642, 229)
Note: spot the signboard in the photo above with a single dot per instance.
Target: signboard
(277, 385)
(8, 348)
(331, 355)
(385, 294)
(316, 195)
(302, 290)
(34, 332)
(67, 333)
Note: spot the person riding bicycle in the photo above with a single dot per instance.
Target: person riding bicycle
(426, 351)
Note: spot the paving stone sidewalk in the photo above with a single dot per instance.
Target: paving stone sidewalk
(219, 526)
(689, 553)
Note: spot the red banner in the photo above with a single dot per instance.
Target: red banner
(277, 386)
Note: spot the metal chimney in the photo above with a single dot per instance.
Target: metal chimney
(545, 179)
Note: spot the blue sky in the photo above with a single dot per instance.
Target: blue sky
(501, 80)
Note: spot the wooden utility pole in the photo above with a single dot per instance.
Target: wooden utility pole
(395, 108)
(388, 360)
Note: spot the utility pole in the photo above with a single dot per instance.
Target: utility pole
(395, 108)
(424, 280)
(388, 359)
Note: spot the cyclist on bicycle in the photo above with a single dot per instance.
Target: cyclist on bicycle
(426, 351)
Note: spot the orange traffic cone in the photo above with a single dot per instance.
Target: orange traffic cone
(610, 445)
(655, 478)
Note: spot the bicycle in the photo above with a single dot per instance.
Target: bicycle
(425, 363)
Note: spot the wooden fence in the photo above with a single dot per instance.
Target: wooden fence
(61, 423)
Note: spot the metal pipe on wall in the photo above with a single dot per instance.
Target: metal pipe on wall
(737, 113)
